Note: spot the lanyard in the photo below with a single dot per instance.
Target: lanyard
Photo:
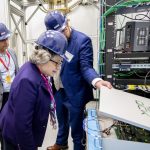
(49, 88)
(53, 103)
(4, 64)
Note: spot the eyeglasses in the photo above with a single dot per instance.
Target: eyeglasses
(57, 63)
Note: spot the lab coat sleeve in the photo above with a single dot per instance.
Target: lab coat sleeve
(25, 100)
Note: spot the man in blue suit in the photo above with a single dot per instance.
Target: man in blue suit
(77, 81)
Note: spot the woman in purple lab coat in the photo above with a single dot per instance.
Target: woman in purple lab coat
(23, 120)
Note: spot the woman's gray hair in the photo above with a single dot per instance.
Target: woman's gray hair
(40, 56)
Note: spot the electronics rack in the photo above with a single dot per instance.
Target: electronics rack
(121, 62)
(116, 61)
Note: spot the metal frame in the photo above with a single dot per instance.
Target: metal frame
(21, 14)
(23, 21)
(110, 44)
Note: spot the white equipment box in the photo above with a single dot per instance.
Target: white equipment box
(125, 107)
(122, 106)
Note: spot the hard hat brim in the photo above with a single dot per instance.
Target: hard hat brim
(5, 37)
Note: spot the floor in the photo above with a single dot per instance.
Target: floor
(52, 133)
(50, 138)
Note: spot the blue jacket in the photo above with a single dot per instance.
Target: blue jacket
(77, 75)
(24, 118)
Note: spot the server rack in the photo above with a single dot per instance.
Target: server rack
(113, 61)
(120, 62)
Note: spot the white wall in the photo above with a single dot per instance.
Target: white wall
(86, 19)
(4, 17)
(35, 26)
(16, 41)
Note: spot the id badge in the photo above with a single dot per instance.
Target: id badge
(8, 78)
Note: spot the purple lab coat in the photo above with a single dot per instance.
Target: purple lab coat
(23, 120)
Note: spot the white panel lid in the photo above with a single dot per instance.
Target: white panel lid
(125, 107)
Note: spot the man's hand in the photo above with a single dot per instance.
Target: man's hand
(101, 83)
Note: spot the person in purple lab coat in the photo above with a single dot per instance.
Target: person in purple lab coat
(24, 118)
